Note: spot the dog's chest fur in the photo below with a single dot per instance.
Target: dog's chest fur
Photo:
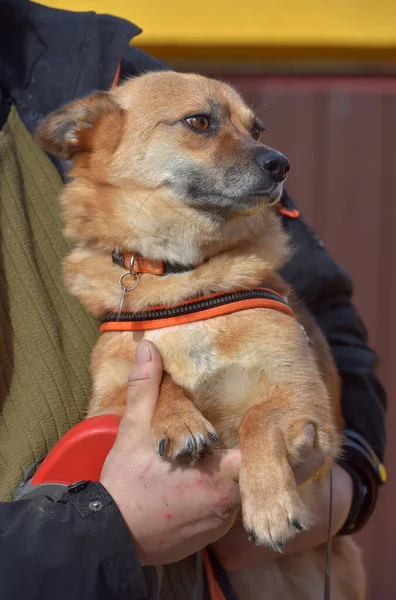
(225, 364)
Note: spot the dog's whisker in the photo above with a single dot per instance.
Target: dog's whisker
(139, 174)
(262, 107)
(145, 201)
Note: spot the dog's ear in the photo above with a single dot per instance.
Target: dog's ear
(69, 130)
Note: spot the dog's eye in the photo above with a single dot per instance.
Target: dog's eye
(199, 122)
(257, 133)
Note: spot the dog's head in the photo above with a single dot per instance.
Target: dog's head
(179, 140)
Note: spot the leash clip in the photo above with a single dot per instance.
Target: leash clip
(125, 289)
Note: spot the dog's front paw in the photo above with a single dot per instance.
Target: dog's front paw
(272, 519)
(184, 437)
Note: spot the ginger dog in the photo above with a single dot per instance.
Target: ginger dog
(170, 167)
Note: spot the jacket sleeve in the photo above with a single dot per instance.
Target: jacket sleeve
(327, 290)
(78, 547)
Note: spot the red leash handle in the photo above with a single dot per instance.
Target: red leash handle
(80, 453)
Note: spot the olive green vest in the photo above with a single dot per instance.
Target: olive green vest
(46, 336)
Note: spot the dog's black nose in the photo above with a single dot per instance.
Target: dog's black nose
(274, 162)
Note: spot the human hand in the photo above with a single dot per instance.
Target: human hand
(171, 511)
(234, 550)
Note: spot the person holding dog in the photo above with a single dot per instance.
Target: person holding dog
(101, 540)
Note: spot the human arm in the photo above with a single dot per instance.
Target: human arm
(66, 550)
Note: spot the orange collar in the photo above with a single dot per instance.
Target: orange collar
(196, 309)
(141, 265)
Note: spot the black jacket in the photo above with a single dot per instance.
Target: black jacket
(65, 549)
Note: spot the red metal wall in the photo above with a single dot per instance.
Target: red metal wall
(340, 135)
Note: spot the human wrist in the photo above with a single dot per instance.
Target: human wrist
(342, 497)
(123, 499)
(367, 474)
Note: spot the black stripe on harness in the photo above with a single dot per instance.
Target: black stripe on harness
(193, 306)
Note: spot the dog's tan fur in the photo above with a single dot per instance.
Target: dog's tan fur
(250, 376)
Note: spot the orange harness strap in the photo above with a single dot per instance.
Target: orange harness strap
(215, 590)
(197, 309)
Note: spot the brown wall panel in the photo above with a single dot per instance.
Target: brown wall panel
(340, 135)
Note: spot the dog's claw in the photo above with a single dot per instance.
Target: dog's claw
(190, 447)
(271, 547)
(296, 524)
(162, 446)
(281, 547)
(213, 438)
(252, 537)
(200, 444)
(195, 448)
(187, 441)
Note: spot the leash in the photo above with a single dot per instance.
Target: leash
(78, 456)
(327, 586)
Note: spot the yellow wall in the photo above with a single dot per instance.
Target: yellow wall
(320, 23)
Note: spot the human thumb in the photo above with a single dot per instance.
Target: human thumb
(144, 382)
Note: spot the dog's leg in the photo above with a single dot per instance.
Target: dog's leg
(179, 429)
(272, 437)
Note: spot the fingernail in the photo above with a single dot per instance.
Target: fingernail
(143, 353)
